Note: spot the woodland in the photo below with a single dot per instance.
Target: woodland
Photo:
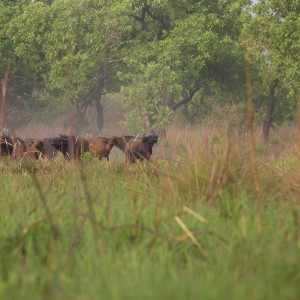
(161, 58)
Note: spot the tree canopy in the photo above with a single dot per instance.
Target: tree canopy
(160, 56)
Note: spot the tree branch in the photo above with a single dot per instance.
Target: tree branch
(283, 87)
(186, 99)
(163, 21)
(142, 18)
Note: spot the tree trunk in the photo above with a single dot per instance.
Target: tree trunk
(79, 122)
(147, 124)
(271, 103)
(100, 117)
(4, 120)
(185, 112)
(187, 97)
(73, 123)
(3, 98)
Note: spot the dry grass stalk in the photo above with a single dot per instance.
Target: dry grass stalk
(191, 236)
(254, 166)
(194, 214)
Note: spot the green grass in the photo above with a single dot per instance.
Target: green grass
(103, 231)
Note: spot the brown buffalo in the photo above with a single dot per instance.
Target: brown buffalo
(136, 148)
(34, 148)
(71, 146)
(27, 149)
(48, 151)
(6, 145)
(122, 141)
(101, 147)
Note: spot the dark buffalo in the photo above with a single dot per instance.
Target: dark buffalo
(6, 144)
(71, 146)
(19, 146)
(136, 148)
(101, 147)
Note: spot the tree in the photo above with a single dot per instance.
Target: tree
(83, 53)
(179, 50)
(163, 55)
(71, 50)
(11, 65)
(274, 34)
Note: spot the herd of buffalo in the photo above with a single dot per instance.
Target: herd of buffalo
(73, 147)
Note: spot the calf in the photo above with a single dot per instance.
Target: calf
(71, 146)
(101, 147)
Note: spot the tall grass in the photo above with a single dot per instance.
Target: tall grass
(182, 227)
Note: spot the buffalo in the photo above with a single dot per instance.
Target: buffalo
(71, 146)
(6, 145)
(34, 148)
(136, 148)
(122, 141)
(101, 147)
(48, 151)
(28, 148)
(19, 148)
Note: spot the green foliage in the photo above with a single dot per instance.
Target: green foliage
(281, 37)
(161, 56)
(195, 50)
(260, 149)
(144, 96)
(27, 31)
(69, 50)
(273, 32)
(274, 141)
